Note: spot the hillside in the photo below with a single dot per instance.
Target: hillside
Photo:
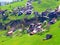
(32, 40)
(23, 38)
(48, 4)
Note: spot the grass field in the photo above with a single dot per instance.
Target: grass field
(25, 39)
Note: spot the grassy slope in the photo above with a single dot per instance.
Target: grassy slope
(13, 5)
(46, 4)
(35, 39)
(37, 7)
